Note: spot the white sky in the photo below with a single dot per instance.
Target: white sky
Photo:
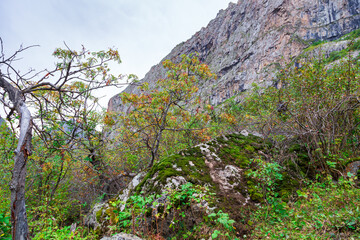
(144, 31)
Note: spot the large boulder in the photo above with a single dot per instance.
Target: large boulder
(220, 165)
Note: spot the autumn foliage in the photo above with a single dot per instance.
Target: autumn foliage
(170, 110)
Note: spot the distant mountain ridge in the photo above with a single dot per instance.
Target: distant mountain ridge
(247, 42)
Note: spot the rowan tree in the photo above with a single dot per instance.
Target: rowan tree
(174, 105)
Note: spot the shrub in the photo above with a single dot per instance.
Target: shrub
(352, 35)
(5, 227)
(355, 46)
(317, 105)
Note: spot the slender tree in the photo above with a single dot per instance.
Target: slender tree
(174, 105)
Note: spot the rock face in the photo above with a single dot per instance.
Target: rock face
(248, 41)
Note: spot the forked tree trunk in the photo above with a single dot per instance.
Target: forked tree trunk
(20, 230)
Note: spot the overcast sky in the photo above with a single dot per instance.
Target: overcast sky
(144, 31)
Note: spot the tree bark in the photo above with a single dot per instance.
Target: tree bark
(20, 230)
(155, 149)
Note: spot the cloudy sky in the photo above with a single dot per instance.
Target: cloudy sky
(144, 31)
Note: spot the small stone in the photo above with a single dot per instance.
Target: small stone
(176, 168)
(245, 133)
(122, 236)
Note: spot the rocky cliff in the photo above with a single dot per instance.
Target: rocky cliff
(248, 41)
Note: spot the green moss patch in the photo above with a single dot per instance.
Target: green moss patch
(233, 149)
(352, 35)
(314, 45)
(239, 150)
(189, 164)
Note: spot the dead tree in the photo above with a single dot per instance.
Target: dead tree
(76, 74)
(23, 150)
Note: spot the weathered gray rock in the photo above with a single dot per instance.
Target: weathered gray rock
(95, 220)
(122, 236)
(124, 196)
(90, 219)
(353, 167)
(248, 41)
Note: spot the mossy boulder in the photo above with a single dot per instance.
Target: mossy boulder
(219, 164)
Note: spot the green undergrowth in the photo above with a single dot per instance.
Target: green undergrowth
(192, 166)
(250, 153)
(321, 210)
(352, 35)
(315, 45)
(5, 227)
(234, 149)
(336, 55)
(296, 201)
(167, 215)
(56, 233)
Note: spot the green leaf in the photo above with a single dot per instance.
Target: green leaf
(215, 234)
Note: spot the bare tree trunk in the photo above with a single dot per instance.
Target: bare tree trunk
(17, 187)
(20, 230)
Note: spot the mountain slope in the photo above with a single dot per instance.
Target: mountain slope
(246, 42)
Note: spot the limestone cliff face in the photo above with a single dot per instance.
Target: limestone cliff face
(246, 42)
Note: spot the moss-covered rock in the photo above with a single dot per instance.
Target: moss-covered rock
(200, 164)
(220, 165)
